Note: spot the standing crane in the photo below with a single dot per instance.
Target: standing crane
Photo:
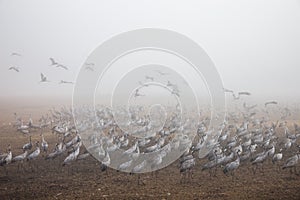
(6, 159)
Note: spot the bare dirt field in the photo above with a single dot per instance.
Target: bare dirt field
(48, 179)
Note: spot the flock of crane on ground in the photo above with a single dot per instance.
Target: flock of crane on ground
(244, 138)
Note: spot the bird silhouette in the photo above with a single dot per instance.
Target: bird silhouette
(271, 103)
(89, 68)
(15, 54)
(14, 68)
(54, 63)
(44, 78)
(162, 73)
(65, 82)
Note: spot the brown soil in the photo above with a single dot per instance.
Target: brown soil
(84, 180)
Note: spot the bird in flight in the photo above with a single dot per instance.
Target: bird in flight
(238, 95)
(149, 78)
(89, 68)
(15, 54)
(90, 64)
(62, 66)
(271, 102)
(44, 78)
(244, 93)
(137, 94)
(227, 90)
(162, 73)
(175, 92)
(14, 68)
(54, 63)
(65, 82)
(143, 84)
(248, 107)
(169, 84)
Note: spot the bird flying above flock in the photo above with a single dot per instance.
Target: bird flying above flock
(56, 64)
(150, 78)
(15, 54)
(90, 64)
(65, 82)
(238, 95)
(137, 94)
(44, 78)
(17, 69)
(162, 73)
(89, 68)
(270, 103)
(53, 63)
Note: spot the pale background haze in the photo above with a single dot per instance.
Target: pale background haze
(255, 44)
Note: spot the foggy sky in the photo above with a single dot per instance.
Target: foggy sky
(254, 44)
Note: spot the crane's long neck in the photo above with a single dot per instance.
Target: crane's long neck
(238, 158)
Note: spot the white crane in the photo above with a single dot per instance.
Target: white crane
(238, 95)
(271, 103)
(186, 165)
(22, 126)
(124, 166)
(15, 54)
(105, 162)
(83, 156)
(73, 156)
(89, 68)
(150, 78)
(20, 158)
(137, 94)
(169, 84)
(54, 63)
(138, 168)
(89, 64)
(28, 145)
(36, 153)
(44, 144)
(62, 66)
(65, 82)
(162, 73)
(31, 157)
(6, 159)
(152, 148)
(17, 69)
(292, 162)
(259, 160)
(277, 158)
(59, 149)
(131, 149)
(232, 166)
(43, 78)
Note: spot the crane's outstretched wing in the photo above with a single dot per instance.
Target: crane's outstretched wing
(244, 93)
(227, 90)
(271, 102)
(15, 54)
(53, 61)
(62, 66)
